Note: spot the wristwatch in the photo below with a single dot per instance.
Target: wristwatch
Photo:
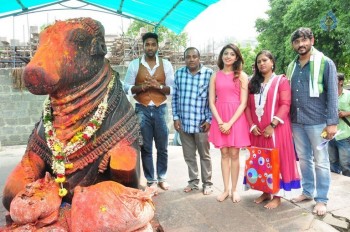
(161, 86)
(273, 125)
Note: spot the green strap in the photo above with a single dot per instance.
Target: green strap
(312, 68)
(320, 75)
(290, 68)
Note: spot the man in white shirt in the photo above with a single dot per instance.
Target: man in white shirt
(149, 80)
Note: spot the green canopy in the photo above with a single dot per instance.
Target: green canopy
(173, 14)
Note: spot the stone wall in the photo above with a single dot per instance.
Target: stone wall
(20, 110)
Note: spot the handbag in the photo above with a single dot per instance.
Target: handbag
(177, 140)
(262, 169)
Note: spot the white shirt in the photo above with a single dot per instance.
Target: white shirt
(133, 68)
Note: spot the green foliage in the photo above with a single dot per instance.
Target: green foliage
(249, 58)
(273, 34)
(178, 41)
(285, 16)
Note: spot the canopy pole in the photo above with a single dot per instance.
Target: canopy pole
(121, 19)
(29, 39)
(13, 52)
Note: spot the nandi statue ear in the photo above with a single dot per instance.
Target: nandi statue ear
(98, 47)
(95, 28)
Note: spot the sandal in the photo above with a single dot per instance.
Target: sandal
(189, 188)
(207, 190)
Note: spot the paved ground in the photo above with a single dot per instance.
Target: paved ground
(192, 212)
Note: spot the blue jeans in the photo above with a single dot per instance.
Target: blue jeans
(314, 164)
(153, 122)
(339, 156)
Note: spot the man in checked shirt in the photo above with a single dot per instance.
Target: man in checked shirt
(314, 109)
(192, 117)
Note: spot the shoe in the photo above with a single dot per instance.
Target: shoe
(164, 185)
(207, 190)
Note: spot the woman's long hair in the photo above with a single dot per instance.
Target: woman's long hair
(237, 66)
(257, 79)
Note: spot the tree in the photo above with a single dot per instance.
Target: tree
(248, 55)
(179, 41)
(341, 9)
(287, 15)
(273, 33)
(331, 43)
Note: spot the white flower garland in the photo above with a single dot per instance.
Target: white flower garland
(60, 151)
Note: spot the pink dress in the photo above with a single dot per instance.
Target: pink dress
(290, 178)
(228, 91)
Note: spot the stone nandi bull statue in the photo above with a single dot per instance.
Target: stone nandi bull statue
(88, 133)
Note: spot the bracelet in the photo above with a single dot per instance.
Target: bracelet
(273, 125)
(252, 128)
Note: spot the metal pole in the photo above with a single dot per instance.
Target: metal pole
(13, 43)
(29, 40)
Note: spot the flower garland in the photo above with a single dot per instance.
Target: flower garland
(60, 151)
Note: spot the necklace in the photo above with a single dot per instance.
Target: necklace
(61, 151)
(260, 98)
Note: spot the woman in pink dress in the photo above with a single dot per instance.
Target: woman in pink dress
(229, 131)
(268, 116)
